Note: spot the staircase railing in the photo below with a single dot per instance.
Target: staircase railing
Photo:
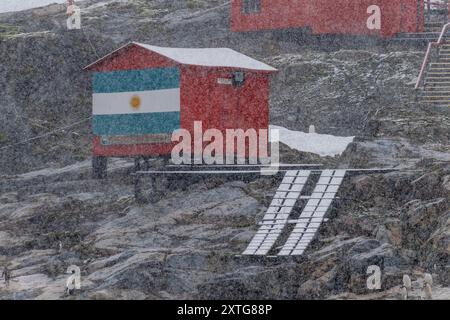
(431, 45)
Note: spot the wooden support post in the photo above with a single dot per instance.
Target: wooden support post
(138, 194)
(99, 167)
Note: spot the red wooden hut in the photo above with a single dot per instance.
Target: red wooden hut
(143, 93)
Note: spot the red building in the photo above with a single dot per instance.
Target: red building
(383, 18)
(143, 93)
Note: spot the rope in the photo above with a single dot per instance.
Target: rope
(90, 43)
(46, 134)
(202, 12)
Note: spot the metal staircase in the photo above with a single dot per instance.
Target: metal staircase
(433, 83)
(435, 15)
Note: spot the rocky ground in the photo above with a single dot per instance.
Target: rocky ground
(187, 244)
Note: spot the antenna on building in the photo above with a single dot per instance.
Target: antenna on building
(74, 16)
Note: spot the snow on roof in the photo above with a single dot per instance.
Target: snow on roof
(208, 57)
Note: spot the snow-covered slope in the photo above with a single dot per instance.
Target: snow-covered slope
(19, 5)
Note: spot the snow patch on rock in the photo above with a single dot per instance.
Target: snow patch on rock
(321, 144)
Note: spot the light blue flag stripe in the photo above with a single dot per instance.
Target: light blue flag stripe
(136, 124)
(136, 80)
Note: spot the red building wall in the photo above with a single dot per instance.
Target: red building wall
(222, 107)
(329, 16)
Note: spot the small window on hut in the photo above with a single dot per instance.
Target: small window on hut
(252, 6)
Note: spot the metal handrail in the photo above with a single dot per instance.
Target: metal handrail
(427, 55)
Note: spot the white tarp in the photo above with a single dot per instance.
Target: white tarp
(321, 144)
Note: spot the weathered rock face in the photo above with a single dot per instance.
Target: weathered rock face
(186, 243)
(342, 92)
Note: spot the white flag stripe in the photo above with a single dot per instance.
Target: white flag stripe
(167, 100)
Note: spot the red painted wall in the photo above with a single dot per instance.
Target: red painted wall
(130, 150)
(202, 99)
(223, 107)
(329, 16)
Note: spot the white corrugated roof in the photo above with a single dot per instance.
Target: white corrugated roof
(208, 57)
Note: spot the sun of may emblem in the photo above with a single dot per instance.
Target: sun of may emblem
(135, 102)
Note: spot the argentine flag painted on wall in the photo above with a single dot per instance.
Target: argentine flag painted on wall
(136, 102)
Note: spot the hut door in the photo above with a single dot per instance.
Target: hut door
(225, 102)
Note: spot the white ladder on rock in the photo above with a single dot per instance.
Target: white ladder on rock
(284, 201)
(278, 212)
(313, 213)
